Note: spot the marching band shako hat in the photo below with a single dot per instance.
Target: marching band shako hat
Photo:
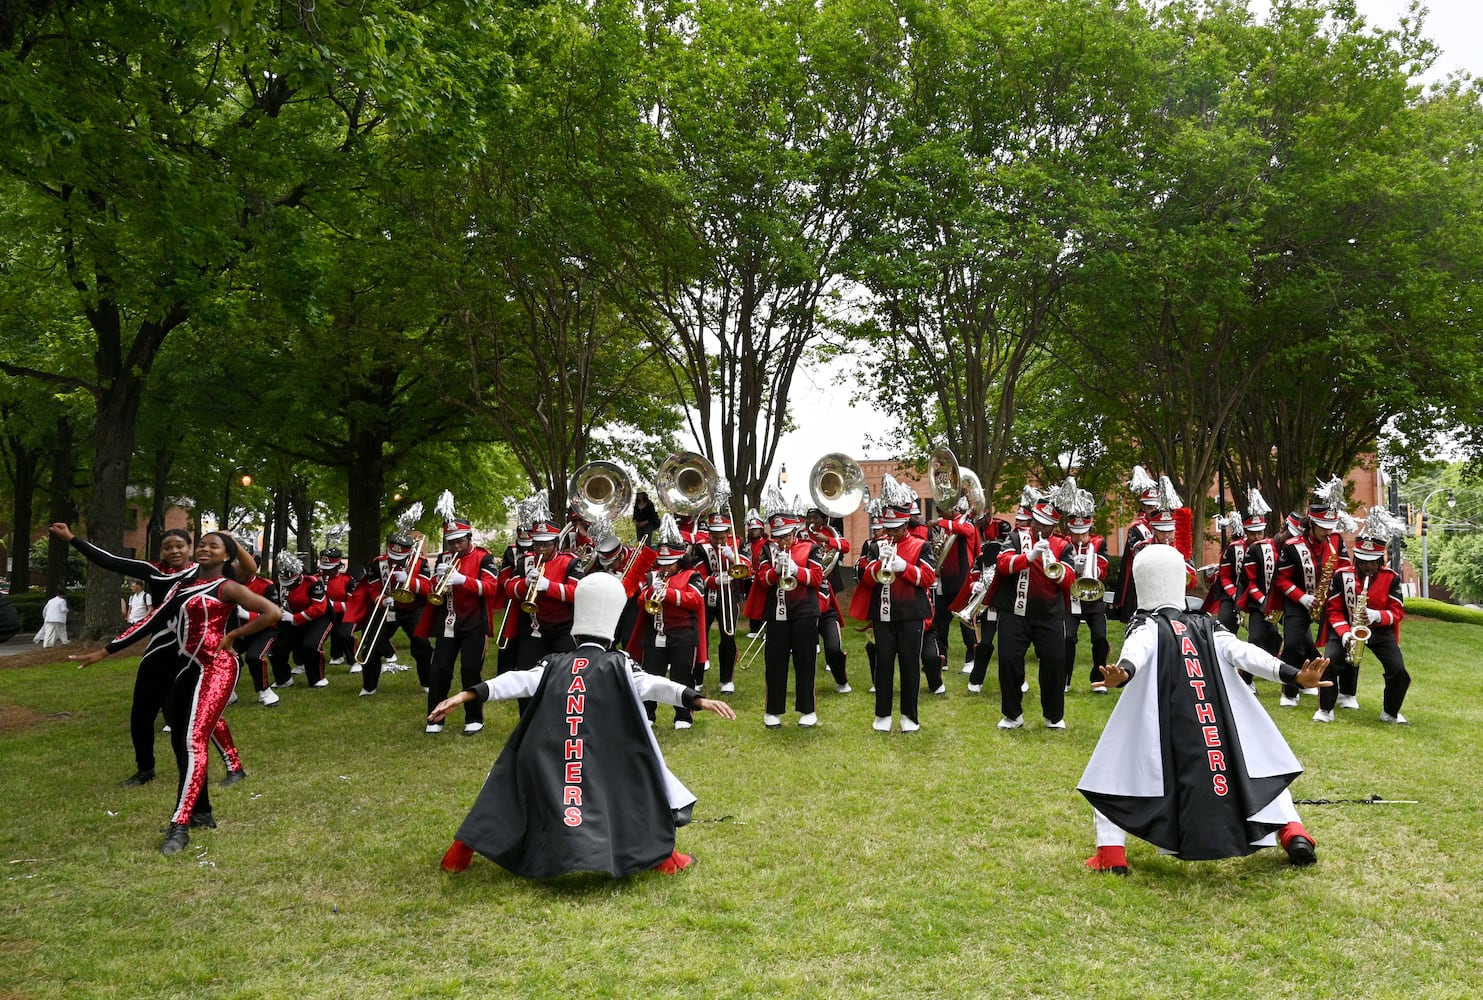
(1294, 523)
(544, 530)
(290, 567)
(668, 543)
(1144, 487)
(1022, 513)
(398, 546)
(754, 520)
(1255, 523)
(597, 605)
(783, 523)
(609, 545)
(1158, 575)
(718, 522)
(1376, 533)
(1369, 548)
(1045, 512)
(1161, 520)
(329, 559)
(897, 503)
(457, 527)
(1079, 524)
(1327, 503)
(1257, 510)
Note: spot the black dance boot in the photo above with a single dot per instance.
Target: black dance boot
(177, 838)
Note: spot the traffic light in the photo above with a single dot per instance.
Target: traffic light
(1424, 518)
(1403, 511)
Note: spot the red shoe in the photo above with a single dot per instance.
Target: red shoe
(458, 857)
(676, 862)
(1109, 859)
(1299, 845)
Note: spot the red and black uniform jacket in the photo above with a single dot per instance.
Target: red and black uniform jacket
(262, 587)
(1140, 533)
(961, 553)
(715, 569)
(1020, 585)
(1230, 576)
(682, 622)
(1300, 566)
(553, 614)
(985, 567)
(1259, 571)
(771, 603)
(906, 598)
(305, 602)
(1382, 592)
(339, 586)
(468, 608)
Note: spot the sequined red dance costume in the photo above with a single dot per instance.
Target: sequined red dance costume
(205, 682)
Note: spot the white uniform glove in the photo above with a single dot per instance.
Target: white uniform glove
(1040, 550)
(399, 577)
(388, 601)
(243, 613)
(455, 578)
(1348, 639)
(726, 552)
(790, 568)
(543, 584)
(1307, 601)
(897, 564)
(1372, 615)
(978, 587)
(531, 575)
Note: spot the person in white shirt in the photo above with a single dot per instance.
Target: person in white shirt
(135, 607)
(54, 623)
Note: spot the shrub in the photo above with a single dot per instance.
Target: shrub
(1442, 611)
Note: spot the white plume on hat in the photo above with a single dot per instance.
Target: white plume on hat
(669, 532)
(893, 494)
(1168, 499)
(1030, 496)
(1159, 575)
(1381, 525)
(1141, 482)
(1256, 506)
(597, 605)
(289, 564)
(1329, 494)
(444, 507)
(407, 518)
(1231, 524)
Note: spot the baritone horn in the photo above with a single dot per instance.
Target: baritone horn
(946, 476)
(1088, 588)
(600, 489)
(686, 484)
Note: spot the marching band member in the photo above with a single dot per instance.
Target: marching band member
(994, 531)
(1088, 554)
(1379, 615)
(304, 625)
(961, 552)
(1189, 761)
(868, 552)
(1030, 597)
(834, 547)
(514, 623)
(1139, 534)
(894, 596)
(785, 595)
(1225, 587)
(934, 660)
(254, 649)
(668, 637)
(339, 586)
(1304, 574)
(549, 583)
(613, 558)
(1258, 573)
(755, 545)
(459, 613)
(717, 558)
(392, 576)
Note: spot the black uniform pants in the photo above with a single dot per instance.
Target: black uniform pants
(1345, 675)
(1297, 641)
(468, 649)
(1096, 623)
(796, 641)
(675, 660)
(898, 643)
(1016, 635)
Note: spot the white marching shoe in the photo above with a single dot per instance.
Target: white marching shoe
(809, 721)
(1323, 716)
(1395, 720)
(728, 688)
(1017, 722)
(771, 721)
(908, 726)
(1288, 701)
(1348, 701)
(882, 724)
(268, 696)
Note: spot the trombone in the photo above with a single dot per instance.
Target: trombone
(371, 635)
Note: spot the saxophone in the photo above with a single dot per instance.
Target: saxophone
(1321, 589)
(1359, 622)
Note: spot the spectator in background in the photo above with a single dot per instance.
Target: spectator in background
(645, 516)
(135, 607)
(53, 623)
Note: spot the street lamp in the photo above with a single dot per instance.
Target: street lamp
(245, 479)
(782, 477)
(1426, 588)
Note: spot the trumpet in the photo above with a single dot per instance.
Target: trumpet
(785, 582)
(528, 605)
(885, 552)
(654, 603)
(441, 584)
(1054, 570)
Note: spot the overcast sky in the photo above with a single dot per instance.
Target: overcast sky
(821, 396)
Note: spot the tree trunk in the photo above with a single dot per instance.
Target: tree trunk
(367, 485)
(62, 507)
(113, 446)
(164, 459)
(23, 512)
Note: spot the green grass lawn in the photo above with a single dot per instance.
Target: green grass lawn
(837, 862)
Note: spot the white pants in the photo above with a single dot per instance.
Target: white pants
(1281, 810)
(52, 634)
